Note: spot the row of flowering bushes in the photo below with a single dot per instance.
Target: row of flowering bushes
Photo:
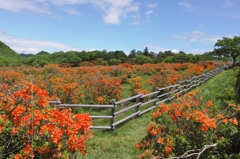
(101, 84)
(30, 128)
(187, 125)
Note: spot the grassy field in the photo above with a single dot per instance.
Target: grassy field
(120, 143)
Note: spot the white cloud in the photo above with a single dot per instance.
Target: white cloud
(149, 12)
(157, 49)
(227, 4)
(112, 11)
(196, 51)
(175, 50)
(152, 5)
(198, 37)
(185, 4)
(71, 10)
(29, 46)
(32, 6)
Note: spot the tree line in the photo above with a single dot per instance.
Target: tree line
(225, 49)
(77, 58)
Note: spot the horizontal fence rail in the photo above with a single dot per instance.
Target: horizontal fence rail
(135, 106)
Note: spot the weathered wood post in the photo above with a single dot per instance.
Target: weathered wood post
(57, 103)
(112, 113)
(138, 100)
(169, 92)
(155, 96)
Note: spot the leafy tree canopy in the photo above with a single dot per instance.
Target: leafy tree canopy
(228, 47)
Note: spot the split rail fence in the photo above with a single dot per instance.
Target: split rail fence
(120, 111)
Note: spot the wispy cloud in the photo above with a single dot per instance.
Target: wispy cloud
(196, 51)
(112, 11)
(71, 10)
(185, 4)
(149, 12)
(152, 5)
(157, 49)
(198, 37)
(32, 6)
(227, 4)
(30, 46)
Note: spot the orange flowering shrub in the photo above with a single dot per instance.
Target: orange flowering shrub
(187, 124)
(164, 78)
(86, 83)
(137, 86)
(29, 127)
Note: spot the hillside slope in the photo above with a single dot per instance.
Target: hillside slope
(8, 56)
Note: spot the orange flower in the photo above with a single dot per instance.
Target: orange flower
(168, 149)
(137, 146)
(100, 100)
(233, 121)
(231, 105)
(204, 128)
(160, 141)
(14, 131)
(225, 121)
(154, 132)
(209, 103)
(220, 116)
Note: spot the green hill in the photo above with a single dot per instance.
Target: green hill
(9, 56)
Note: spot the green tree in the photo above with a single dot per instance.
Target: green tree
(119, 54)
(145, 51)
(75, 61)
(169, 59)
(101, 61)
(162, 55)
(142, 59)
(43, 62)
(181, 57)
(114, 61)
(132, 54)
(228, 47)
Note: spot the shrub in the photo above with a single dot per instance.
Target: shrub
(29, 127)
(188, 125)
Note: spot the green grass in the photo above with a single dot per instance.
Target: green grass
(217, 85)
(120, 143)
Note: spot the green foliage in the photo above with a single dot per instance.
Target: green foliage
(101, 61)
(228, 47)
(145, 52)
(142, 59)
(114, 61)
(8, 56)
(165, 130)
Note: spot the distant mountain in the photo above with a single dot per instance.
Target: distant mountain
(8, 56)
(26, 55)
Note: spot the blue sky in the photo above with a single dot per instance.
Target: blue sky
(192, 26)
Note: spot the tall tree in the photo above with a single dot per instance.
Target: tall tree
(145, 52)
(132, 54)
(228, 47)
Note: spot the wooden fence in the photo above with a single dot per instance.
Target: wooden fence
(126, 109)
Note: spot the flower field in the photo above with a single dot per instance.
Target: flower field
(101, 84)
(30, 127)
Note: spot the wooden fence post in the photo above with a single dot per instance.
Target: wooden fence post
(169, 93)
(155, 96)
(112, 113)
(137, 101)
(57, 103)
